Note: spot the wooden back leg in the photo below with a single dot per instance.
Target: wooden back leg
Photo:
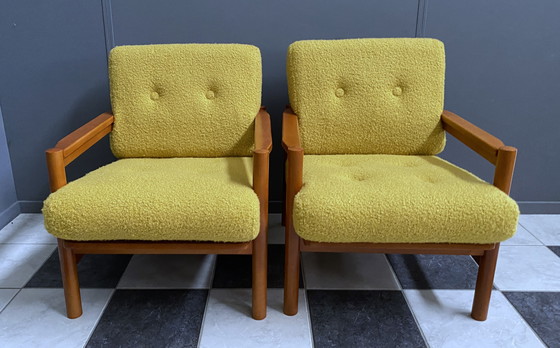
(259, 276)
(291, 271)
(69, 271)
(484, 281)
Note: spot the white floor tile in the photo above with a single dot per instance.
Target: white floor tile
(168, 271)
(444, 318)
(276, 231)
(527, 268)
(18, 262)
(348, 271)
(5, 296)
(228, 322)
(37, 318)
(545, 227)
(522, 237)
(26, 228)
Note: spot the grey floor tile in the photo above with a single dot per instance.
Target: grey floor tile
(545, 227)
(444, 317)
(348, 271)
(527, 268)
(6, 296)
(151, 318)
(275, 229)
(362, 318)
(168, 272)
(27, 229)
(228, 322)
(542, 311)
(94, 271)
(37, 318)
(434, 271)
(234, 271)
(18, 262)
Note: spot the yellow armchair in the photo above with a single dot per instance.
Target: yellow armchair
(368, 114)
(192, 176)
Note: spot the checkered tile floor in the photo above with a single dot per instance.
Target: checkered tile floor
(349, 300)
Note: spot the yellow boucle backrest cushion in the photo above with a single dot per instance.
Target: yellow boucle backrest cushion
(368, 96)
(184, 100)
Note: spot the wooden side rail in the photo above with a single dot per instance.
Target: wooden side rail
(171, 247)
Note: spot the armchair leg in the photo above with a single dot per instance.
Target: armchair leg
(259, 276)
(283, 213)
(69, 271)
(291, 271)
(285, 165)
(484, 281)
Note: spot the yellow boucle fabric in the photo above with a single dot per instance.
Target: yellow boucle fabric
(368, 96)
(184, 100)
(199, 199)
(399, 199)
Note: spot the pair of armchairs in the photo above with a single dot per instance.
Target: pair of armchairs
(193, 145)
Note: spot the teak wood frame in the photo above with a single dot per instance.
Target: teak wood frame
(70, 252)
(486, 255)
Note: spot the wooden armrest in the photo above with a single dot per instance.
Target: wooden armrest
(73, 145)
(482, 142)
(290, 130)
(263, 132)
(486, 145)
(292, 144)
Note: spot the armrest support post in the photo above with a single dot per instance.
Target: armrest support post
(56, 168)
(261, 158)
(505, 165)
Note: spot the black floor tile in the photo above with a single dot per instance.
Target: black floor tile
(542, 311)
(555, 249)
(434, 271)
(360, 318)
(94, 271)
(234, 271)
(151, 318)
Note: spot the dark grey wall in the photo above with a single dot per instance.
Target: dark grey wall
(503, 69)
(53, 79)
(503, 74)
(8, 199)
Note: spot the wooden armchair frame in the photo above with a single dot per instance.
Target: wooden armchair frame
(483, 143)
(70, 252)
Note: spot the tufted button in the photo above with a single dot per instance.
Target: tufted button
(339, 92)
(431, 180)
(210, 95)
(397, 91)
(154, 95)
(359, 177)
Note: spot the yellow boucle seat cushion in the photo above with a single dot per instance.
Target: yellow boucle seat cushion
(368, 96)
(199, 199)
(184, 100)
(399, 199)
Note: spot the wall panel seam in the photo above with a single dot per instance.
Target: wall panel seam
(107, 13)
(421, 18)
